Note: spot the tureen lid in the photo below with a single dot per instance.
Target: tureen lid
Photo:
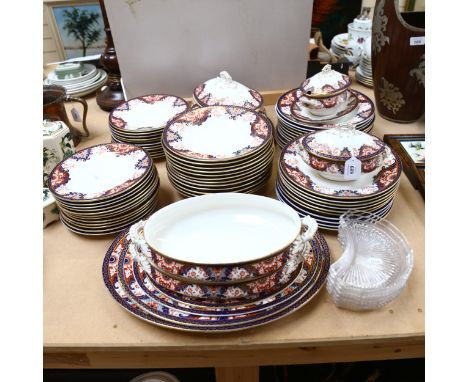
(326, 83)
(342, 143)
(223, 90)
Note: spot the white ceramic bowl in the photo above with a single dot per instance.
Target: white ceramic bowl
(325, 84)
(325, 106)
(327, 151)
(222, 229)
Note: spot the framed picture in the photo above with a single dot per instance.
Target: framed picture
(77, 27)
(412, 150)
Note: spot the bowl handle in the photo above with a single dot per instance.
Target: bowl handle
(138, 247)
(299, 245)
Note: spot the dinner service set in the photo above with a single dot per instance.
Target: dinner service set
(376, 263)
(315, 176)
(140, 121)
(218, 149)
(77, 78)
(322, 101)
(104, 188)
(223, 90)
(364, 69)
(351, 44)
(217, 263)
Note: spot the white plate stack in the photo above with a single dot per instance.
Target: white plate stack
(88, 80)
(104, 188)
(141, 121)
(218, 149)
(289, 128)
(309, 193)
(364, 70)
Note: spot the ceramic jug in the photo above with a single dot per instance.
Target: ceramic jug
(398, 62)
(57, 144)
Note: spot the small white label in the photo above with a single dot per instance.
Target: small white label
(76, 115)
(417, 40)
(352, 169)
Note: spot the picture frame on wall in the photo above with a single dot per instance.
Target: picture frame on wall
(77, 27)
(411, 149)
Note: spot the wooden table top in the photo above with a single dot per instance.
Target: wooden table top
(82, 320)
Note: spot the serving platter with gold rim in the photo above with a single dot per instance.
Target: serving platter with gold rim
(130, 287)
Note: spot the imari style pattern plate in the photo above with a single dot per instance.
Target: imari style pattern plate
(147, 112)
(217, 133)
(100, 171)
(369, 184)
(133, 290)
(103, 189)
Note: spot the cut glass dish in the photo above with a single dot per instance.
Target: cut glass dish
(376, 263)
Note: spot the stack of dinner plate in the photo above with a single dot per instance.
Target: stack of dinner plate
(181, 268)
(102, 189)
(141, 121)
(364, 70)
(310, 193)
(86, 80)
(218, 149)
(289, 127)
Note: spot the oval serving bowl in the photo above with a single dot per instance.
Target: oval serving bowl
(249, 290)
(214, 275)
(222, 229)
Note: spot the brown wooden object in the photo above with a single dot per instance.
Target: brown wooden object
(113, 94)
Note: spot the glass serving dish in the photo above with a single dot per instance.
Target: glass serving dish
(375, 265)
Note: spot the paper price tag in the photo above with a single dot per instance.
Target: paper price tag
(421, 40)
(352, 169)
(76, 115)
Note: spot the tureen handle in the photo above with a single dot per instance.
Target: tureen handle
(300, 243)
(138, 247)
(225, 75)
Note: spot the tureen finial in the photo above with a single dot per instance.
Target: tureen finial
(327, 68)
(225, 75)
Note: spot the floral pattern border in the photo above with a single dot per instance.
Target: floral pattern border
(260, 130)
(60, 176)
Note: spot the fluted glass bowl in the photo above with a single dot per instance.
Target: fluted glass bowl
(375, 265)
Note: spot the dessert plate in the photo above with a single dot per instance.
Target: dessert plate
(87, 89)
(156, 311)
(99, 172)
(217, 133)
(147, 112)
